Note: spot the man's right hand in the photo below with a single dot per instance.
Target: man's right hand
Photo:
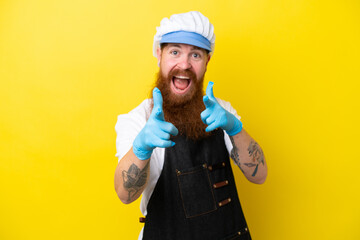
(156, 132)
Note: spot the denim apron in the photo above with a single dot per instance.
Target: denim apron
(195, 196)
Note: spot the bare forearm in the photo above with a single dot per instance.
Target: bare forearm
(131, 176)
(249, 156)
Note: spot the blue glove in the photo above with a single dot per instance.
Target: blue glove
(156, 132)
(216, 116)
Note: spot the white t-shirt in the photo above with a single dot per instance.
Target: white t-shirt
(130, 124)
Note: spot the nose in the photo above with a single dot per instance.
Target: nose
(184, 63)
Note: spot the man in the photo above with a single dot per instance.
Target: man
(174, 148)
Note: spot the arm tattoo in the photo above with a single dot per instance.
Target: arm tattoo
(235, 154)
(257, 156)
(255, 153)
(134, 179)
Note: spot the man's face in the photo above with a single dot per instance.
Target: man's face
(180, 80)
(184, 67)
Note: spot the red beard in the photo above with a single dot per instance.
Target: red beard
(184, 111)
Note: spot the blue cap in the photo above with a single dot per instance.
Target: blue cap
(185, 37)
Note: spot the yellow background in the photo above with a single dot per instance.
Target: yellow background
(68, 68)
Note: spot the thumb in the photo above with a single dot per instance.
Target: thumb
(209, 90)
(158, 102)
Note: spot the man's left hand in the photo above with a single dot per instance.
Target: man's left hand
(216, 116)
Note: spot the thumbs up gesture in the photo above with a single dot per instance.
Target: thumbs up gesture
(216, 116)
(156, 132)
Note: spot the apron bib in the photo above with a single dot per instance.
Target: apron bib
(195, 196)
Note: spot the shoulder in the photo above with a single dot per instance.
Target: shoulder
(137, 116)
(129, 125)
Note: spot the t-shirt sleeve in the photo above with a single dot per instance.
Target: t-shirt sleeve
(128, 126)
(227, 106)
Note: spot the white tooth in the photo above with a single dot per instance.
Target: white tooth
(181, 77)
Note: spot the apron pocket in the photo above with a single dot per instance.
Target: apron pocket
(196, 191)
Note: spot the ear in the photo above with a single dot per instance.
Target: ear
(209, 57)
(158, 55)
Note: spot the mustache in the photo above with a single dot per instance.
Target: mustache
(186, 73)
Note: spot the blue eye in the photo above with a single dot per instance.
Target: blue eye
(174, 52)
(195, 55)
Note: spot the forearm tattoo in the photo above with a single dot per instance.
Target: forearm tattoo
(255, 154)
(235, 154)
(134, 179)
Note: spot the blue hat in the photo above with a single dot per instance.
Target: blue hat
(190, 38)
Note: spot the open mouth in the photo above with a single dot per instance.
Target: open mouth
(180, 84)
